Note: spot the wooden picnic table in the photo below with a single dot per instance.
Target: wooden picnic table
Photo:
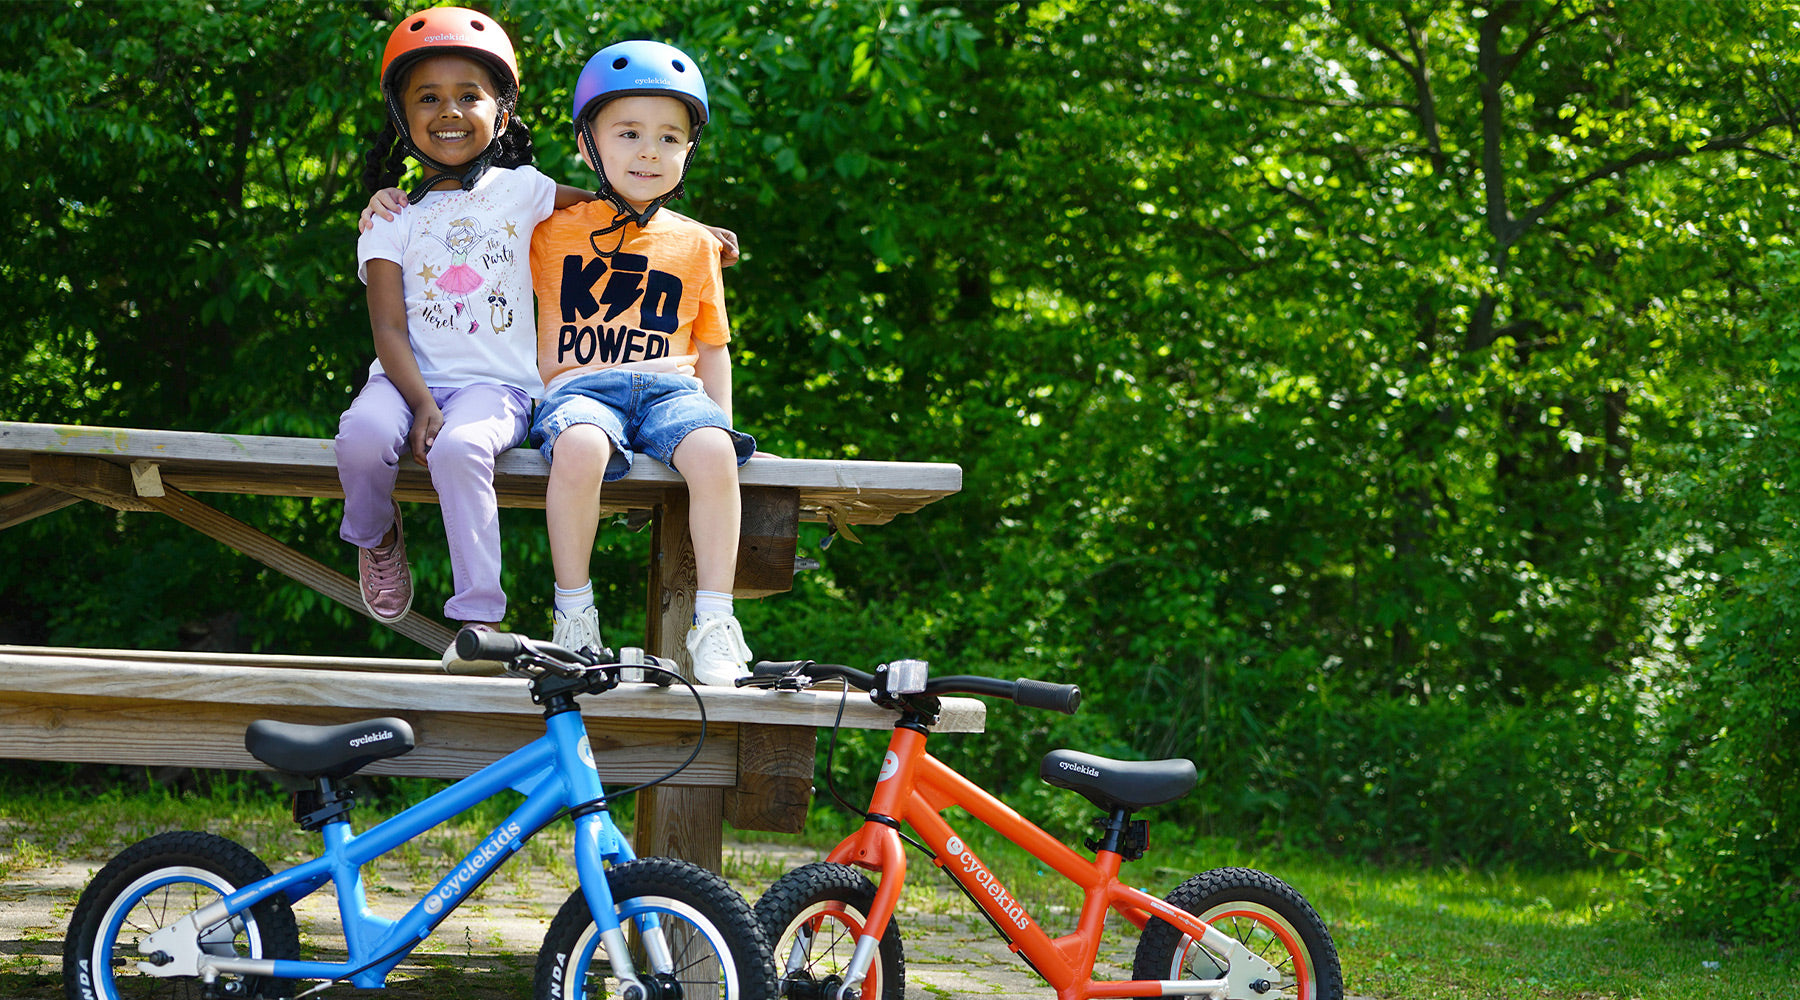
(172, 707)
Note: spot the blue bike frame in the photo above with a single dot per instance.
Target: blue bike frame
(554, 773)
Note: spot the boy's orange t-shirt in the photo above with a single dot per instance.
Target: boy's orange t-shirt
(646, 305)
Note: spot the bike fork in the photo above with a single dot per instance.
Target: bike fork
(861, 961)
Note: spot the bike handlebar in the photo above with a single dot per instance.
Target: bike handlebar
(1027, 693)
(473, 644)
(483, 651)
(1064, 698)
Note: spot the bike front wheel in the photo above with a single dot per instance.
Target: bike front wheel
(155, 883)
(812, 917)
(1267, 915)
(716, 951)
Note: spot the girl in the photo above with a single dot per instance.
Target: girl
(452, 391)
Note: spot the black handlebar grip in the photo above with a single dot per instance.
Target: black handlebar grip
(482, 644)
(1064, 698)
(776, 668)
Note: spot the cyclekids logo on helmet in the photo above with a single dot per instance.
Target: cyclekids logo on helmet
(972, 867)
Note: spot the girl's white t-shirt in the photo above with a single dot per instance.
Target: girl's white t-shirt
(465, 262)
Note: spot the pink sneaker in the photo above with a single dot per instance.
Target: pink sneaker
(387, 589)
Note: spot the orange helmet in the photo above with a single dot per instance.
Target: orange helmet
(446, 31)
(451, 31)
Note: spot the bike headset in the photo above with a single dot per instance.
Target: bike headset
(629, 69)
(450, 31)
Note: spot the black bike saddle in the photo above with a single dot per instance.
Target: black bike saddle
(1118, 784)
(327, 751)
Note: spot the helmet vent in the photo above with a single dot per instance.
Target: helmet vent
(477, 25)
(621, 62)
(680, 67)
(418, 25)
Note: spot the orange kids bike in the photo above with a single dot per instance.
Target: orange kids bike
(1232, 933)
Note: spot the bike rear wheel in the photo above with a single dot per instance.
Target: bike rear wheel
(812, 917)
(1267, 915)
(717, 951)
(154, 883)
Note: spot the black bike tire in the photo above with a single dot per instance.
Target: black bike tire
(843, 895)
(272, 931)
(1273, 900)
(659, 882)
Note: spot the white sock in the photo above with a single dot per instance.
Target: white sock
(710, 604)
(579, 599)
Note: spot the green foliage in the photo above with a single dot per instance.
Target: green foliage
(1725, 839)
(1386, 405)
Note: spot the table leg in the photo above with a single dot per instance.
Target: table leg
(672, 820)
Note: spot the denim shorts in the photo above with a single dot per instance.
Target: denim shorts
(651, 412)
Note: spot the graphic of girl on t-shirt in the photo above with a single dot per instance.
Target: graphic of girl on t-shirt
(459, 280)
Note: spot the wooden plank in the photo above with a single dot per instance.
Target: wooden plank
(20, 506)
(670, 594)
(299, 687)
(88, 478)
(775, 779)
(768, 538)
(681, 822)
(856, 492)
(264, 661)
(676, 822)
(236, 534)
(105, 483)
(451, 744)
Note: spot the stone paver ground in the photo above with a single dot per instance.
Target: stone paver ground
(487, 947)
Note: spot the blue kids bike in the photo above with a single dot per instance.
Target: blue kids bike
(196, 915)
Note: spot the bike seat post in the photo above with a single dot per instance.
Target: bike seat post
(323, 806)
(1113, 830)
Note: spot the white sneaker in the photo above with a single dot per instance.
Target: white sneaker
(716, 646)
(577, 630)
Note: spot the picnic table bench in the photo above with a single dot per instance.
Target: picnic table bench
(185, 708)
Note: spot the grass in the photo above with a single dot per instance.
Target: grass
(1403, 933)
(1446, 933)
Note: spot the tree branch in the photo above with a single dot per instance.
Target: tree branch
(1493, 173)
(1424, 105)
(1638, 159)
(1538, 33)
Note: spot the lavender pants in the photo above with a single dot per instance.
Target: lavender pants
(480, 422)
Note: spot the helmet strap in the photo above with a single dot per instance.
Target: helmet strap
(606, 192)
(466, 176)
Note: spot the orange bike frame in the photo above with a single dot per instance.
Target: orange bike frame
(914, 788)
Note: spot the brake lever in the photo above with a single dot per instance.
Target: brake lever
(791, 681)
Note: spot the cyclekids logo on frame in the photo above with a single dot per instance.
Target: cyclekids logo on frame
(479, 859)
(986, 880)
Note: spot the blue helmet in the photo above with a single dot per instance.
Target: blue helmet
(626, 69)
(631, 69)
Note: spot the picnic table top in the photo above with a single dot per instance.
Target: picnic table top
(259, 682)
(837, 490)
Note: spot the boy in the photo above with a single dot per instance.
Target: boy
(632, 337)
